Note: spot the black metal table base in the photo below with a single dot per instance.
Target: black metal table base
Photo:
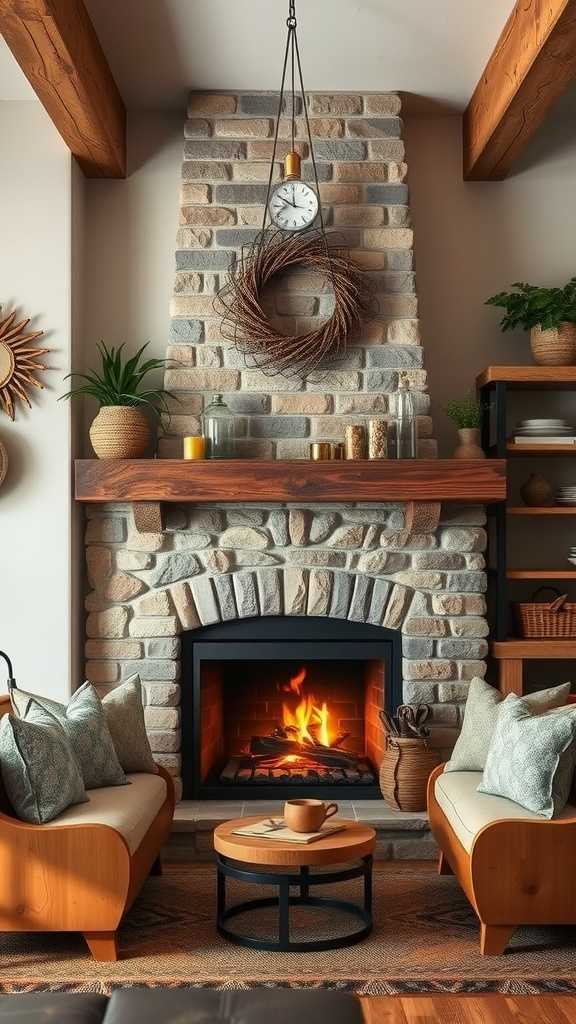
(302, 880)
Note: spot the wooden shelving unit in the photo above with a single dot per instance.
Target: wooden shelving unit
(495, 384)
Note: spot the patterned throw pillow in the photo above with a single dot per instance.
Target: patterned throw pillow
(531, 757)
(39, 769)
(124, 710)
(480, 715)
(85, 724)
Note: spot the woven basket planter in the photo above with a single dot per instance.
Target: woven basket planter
(405, 771)
(554, 347)
(120, 432)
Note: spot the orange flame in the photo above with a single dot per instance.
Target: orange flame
(306, 713)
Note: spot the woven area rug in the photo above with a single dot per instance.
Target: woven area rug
(425, 939)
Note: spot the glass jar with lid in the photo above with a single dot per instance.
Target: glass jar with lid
(219, 429)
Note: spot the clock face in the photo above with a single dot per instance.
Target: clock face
(293, 206)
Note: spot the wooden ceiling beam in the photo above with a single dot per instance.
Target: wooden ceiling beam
(533, 63)
(58, 50)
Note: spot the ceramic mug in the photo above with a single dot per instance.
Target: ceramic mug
(307, 815)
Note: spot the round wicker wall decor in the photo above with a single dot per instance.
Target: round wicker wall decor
(3, 463)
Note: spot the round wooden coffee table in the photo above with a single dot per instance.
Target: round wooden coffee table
(269, 862)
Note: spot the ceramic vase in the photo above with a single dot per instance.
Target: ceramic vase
(120, 432)
(555, 346)
(469, 447)
(536, 491)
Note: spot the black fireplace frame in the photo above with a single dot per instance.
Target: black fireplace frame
(276, 631)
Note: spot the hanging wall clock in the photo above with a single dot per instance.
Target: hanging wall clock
(292, 235)
(18, 363)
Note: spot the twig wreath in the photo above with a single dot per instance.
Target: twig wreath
(246, 324)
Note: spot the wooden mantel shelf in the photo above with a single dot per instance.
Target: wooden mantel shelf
(480, 481)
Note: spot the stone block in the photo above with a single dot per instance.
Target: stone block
(99, 564)
(225, 594)
(109, 624)
(154, 604)
(171, 762)
(389, 238)
(185, 606)
(417, 691)
(99, 650)
(463, 539)
(437, 560)
(209, 520)
(469, 627)
(246, 128)
(205, 601)
(196, 260)
(264, 151)
(471, 669)
(380, 594)
(134, 560)
(474, 561)
(122, 587)
(350, 404)
(193, 238)
(237, 194)
(339, 103)
(267, 104)
(316, 556)
(163, 648)
(295, 590)
(177, 565)
(211, 103)
(279, 426)
(421, 579)
(397, 607)
(451, 692)
(217, 561)
(202, 380)
(246, 594)
(193, 192)
(106, 530)
(152, 671)
(474, 582)
(428, 669)
(269, 591)
(376, 562)
(359, 216)
(322, 525)
(154, 626)
(251, 448)
(206, 170)
(278, 526)
(381, 380)
(251, 558)
(319, 590)
(417, 647)
(248, 404)
(298, 526)
(236, 238)
(342, 586)
(102, 671)
(339, 150)
(255, 171)
(386, 104)
(214, 149)
(398, 356)
(197, 128)
(290, 449)
(191, 331)
(161, 694)
(305, 404)
(389, 150)
(360, 602)
(374, 128)
(387, 195)
(162, 718)
(163, 741)
(244, 537)
(340, 194)
(425, 626)
(397, 305)
(190, 540)
(207, 216)
(349, 536)
(209, 357)
(256, 380)
(462, 648)
(366, 171)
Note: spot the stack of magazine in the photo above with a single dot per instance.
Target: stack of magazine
(274, 828)
(545, 431)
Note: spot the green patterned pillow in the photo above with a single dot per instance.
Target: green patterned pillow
(480, 716)
(39, 769)
(85, 723)
(124, 710)
(531, 757)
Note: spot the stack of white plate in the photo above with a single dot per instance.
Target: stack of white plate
(572, 555)
(544, 428)
(566, 495)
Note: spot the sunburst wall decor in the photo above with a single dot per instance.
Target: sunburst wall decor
(18, 363)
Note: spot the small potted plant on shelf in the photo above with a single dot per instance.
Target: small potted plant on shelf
(550, 316)
(466, 414)
(121, 430)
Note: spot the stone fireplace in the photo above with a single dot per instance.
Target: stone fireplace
(414, 582)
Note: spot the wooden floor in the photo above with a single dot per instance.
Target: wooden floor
(473, 1009)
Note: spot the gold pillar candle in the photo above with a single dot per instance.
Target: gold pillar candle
(355, 441)
(194, 447)
(377, 438)
(319, 451)
(337, 450)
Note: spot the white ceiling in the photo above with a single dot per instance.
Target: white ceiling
(435, 49)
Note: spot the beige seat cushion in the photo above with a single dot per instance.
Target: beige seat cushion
(130, 810)
(469, 811)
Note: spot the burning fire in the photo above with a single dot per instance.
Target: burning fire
(307, 715)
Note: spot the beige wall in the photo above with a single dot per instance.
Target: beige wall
(35, 505)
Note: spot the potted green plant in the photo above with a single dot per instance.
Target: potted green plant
(550, 316)
(466, 413)
(121, 430)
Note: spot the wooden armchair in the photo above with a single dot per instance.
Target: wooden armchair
(76, 877)
(517, 871)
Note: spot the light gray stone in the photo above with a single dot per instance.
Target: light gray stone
(199, 259)
(214, 149)
(469, 627)
(416, 647)
(416, 691)
(394, 356)
(161, 695)
(163, 742)
(225, 595)
(241, 195)
(178, 565)
(278, 526)
(165, 648)
(467, 582)
(462, 648)
(387, 195)
(184, 331)
(162, 718)
(153, 671)
(246, 595)
(360, 599)
(449, 692)
(380, 593)
(295, 591)
(187, 540)
(339, 150)
(244, 558)
(269, 591)
(342, 585)
(246, 517)
(208, 519)
(316, 556)
(266, 104)
(205, 600)
(319, 589)
(238, 537)
(437, 560)
(156, 625)
(463, 539)
(372, 538)
(375, 562)
(130, 560)
(322, 525)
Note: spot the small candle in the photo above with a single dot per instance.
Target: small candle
(355, 441)
(377, 438)
(194, 447)
(337, 450)
(320, 450)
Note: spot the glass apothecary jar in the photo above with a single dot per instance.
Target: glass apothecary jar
(219, 429)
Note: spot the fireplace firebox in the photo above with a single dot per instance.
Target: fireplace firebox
(274, 706)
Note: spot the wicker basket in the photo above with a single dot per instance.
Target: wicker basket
(551, 620)
(405, 771)
(555, 346)
(120, 432)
